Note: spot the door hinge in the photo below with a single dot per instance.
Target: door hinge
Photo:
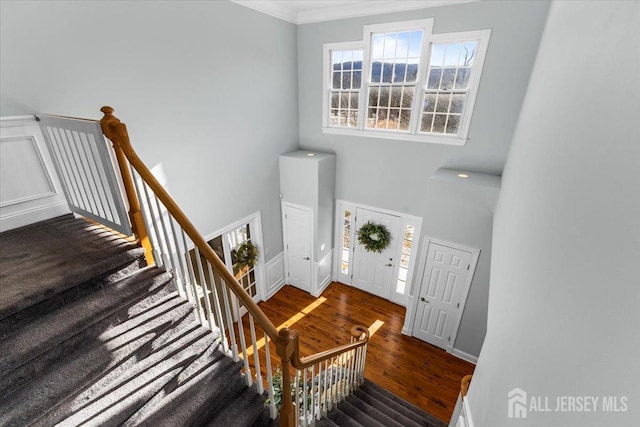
(449, 339)
(352, 277)
(288, 274)
(468, 267)
(458, 305)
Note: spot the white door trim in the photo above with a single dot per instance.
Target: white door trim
(405, 219)
(255, 222)
(412, 306)
(313, 279)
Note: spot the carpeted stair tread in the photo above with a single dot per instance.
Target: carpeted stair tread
(359, 416)
(196, 398)
(378, 412)
(95, 361)
(139, 322)
(381, 393)
(325, 422)
(60, 325)
(243, 411)
(391, 408)
(211, 364)
(341, 419)
(75, 249)
(112, 399)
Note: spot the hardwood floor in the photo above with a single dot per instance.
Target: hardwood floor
(421, 373)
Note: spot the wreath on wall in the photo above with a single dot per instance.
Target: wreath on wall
(374, 237)
(246, 255)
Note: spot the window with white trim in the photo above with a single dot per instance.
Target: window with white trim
(403, 82)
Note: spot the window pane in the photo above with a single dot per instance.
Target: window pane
(396, 97)
(434, 78)
(346, 242)
(346, 79)
(437, 55)
(448, 77)
(407, 97)
(462, 79)
(405, 119)
(457, 103)
(335, 99)
(443, 103)
(452, 54)
(429, 103)
(452, 124)
(468, 53)
(336, 80)
(395, 60)
(438, 123)
(377, 45)
(427, 120)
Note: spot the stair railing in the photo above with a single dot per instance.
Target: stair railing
(218, 297)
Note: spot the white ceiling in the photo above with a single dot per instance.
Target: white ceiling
(306, 11)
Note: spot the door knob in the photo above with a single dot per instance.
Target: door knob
(424, 300)
(306, 258)
(389, 265)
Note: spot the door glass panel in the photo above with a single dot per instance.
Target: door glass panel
(346, 242)
(245, 274)
(407, 243)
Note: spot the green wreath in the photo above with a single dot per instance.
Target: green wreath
(246, 255)
(374, 237)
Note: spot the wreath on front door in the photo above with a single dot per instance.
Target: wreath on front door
(374, 237)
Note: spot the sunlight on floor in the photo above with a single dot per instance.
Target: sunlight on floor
(290, 321)
(375, 326)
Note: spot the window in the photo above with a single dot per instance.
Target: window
(403, 82)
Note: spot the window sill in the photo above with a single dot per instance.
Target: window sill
(397, 136)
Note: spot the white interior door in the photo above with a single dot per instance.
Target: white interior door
(373, 271)
(298, 229)
(441, 294)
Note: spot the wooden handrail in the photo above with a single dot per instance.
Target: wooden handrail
(117, 131)
(286, 341)
(135, 214)
(298, 362)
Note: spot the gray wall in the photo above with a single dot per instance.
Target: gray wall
(404, 185)
(563, 306)
(208, 89)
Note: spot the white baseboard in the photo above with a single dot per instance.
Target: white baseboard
(275, 275)
(407, 331)
(33, 215)
(465, 356)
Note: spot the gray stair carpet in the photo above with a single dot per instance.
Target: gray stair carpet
(373, 406)
(110, 344)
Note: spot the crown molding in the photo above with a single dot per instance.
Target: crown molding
(270, 7)
(351, 9)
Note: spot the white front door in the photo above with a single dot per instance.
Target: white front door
(373, 271)
(441, 294)
(298, 246)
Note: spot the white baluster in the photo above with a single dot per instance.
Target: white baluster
(243, 344)
(227, 310)
(256, 355)
(272, 406)
(216, 302)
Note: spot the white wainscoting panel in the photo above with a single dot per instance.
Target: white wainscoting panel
(275, 274)
(29, 187)
(324, 269)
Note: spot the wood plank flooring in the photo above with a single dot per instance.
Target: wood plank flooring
(419, 372)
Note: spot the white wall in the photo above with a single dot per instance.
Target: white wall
(563, 304)
(207, 89)
(395, 175)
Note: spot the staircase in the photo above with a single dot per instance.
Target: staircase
(90, 336)
(373, 406)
